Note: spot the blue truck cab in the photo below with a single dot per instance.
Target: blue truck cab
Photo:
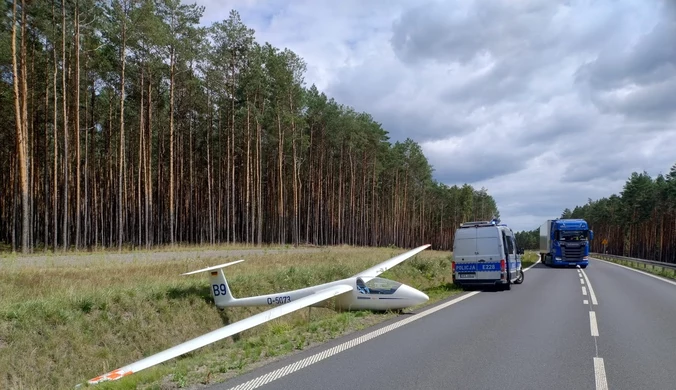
(565, 242)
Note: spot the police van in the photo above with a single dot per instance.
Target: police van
(485, 253)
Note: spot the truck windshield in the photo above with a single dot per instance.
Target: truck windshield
(572, 235)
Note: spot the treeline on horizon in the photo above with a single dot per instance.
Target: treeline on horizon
(639, 222)
(126, 123)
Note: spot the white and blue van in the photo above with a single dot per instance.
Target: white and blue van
(485, 253)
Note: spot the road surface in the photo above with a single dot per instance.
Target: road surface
(605, 327)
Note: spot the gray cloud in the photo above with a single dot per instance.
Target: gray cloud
(462, 31)
(546, 104)
(472, 165)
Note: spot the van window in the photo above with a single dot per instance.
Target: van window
(508, 243)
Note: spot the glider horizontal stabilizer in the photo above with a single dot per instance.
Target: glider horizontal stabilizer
(223, 332)
(213, 268)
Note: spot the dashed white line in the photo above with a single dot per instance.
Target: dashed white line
(586, 302)
(581, 281)
(591, 289)
(593, 325)
(600, 374)
(584, 291)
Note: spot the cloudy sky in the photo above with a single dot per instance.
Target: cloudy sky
(545, 103)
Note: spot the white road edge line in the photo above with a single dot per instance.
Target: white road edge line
(600, 374)
(586, 302)
(591, 289)
(584, 291)
(526, 269)
(639, 271)
(293, 367)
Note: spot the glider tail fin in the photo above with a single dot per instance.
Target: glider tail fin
(220, 290)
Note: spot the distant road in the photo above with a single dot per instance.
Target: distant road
(160, 255)
(605, 327)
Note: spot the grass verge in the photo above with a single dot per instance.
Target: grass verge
(528, 259)
(650, 268)
(60, 326)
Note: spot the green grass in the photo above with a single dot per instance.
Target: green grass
(528, 258)
(62, 325)
(653, 269)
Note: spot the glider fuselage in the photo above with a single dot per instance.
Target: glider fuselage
(372, 294)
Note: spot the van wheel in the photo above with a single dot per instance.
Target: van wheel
(520, 279)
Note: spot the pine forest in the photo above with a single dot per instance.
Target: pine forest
(640, 222)
(128, 124)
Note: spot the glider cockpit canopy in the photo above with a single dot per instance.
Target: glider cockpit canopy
(377, 286)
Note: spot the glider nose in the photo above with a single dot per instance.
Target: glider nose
(416, 296)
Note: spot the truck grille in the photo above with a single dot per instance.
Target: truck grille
(572, 253)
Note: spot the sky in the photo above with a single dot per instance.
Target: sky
(544, 103)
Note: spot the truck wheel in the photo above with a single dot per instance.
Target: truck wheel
(544, 260)
(520, 279)
(583, 266)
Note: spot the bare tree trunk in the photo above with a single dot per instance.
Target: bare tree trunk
(209, 180)
(120, 225)
(248, 221)
(259, 183)
(171, 148)
(149, 164)
(89, 124)
(55, 189)
(296, 227)
(280, 179)
(233, 217)
(20, 120)
(141, 134)
(77, 126)
(45, 171)
(66, 164)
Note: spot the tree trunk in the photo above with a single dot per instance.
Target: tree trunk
(248, 218)
(120, 176)
(55, 189)
(171, 147)
(20, 121)
(66, 164)
(280, 179)
(78, 210)
(148, 169)
(141, 136)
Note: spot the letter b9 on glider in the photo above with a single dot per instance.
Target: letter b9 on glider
(363, 291)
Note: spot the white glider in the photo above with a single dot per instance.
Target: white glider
(363, 291)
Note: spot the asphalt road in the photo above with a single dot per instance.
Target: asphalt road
(554, 331)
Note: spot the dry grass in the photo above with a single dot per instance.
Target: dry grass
(61, 325)
(6, 249)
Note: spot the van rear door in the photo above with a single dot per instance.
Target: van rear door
(464, 253)
(488, 253)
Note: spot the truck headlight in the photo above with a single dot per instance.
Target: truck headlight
(558, 258)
